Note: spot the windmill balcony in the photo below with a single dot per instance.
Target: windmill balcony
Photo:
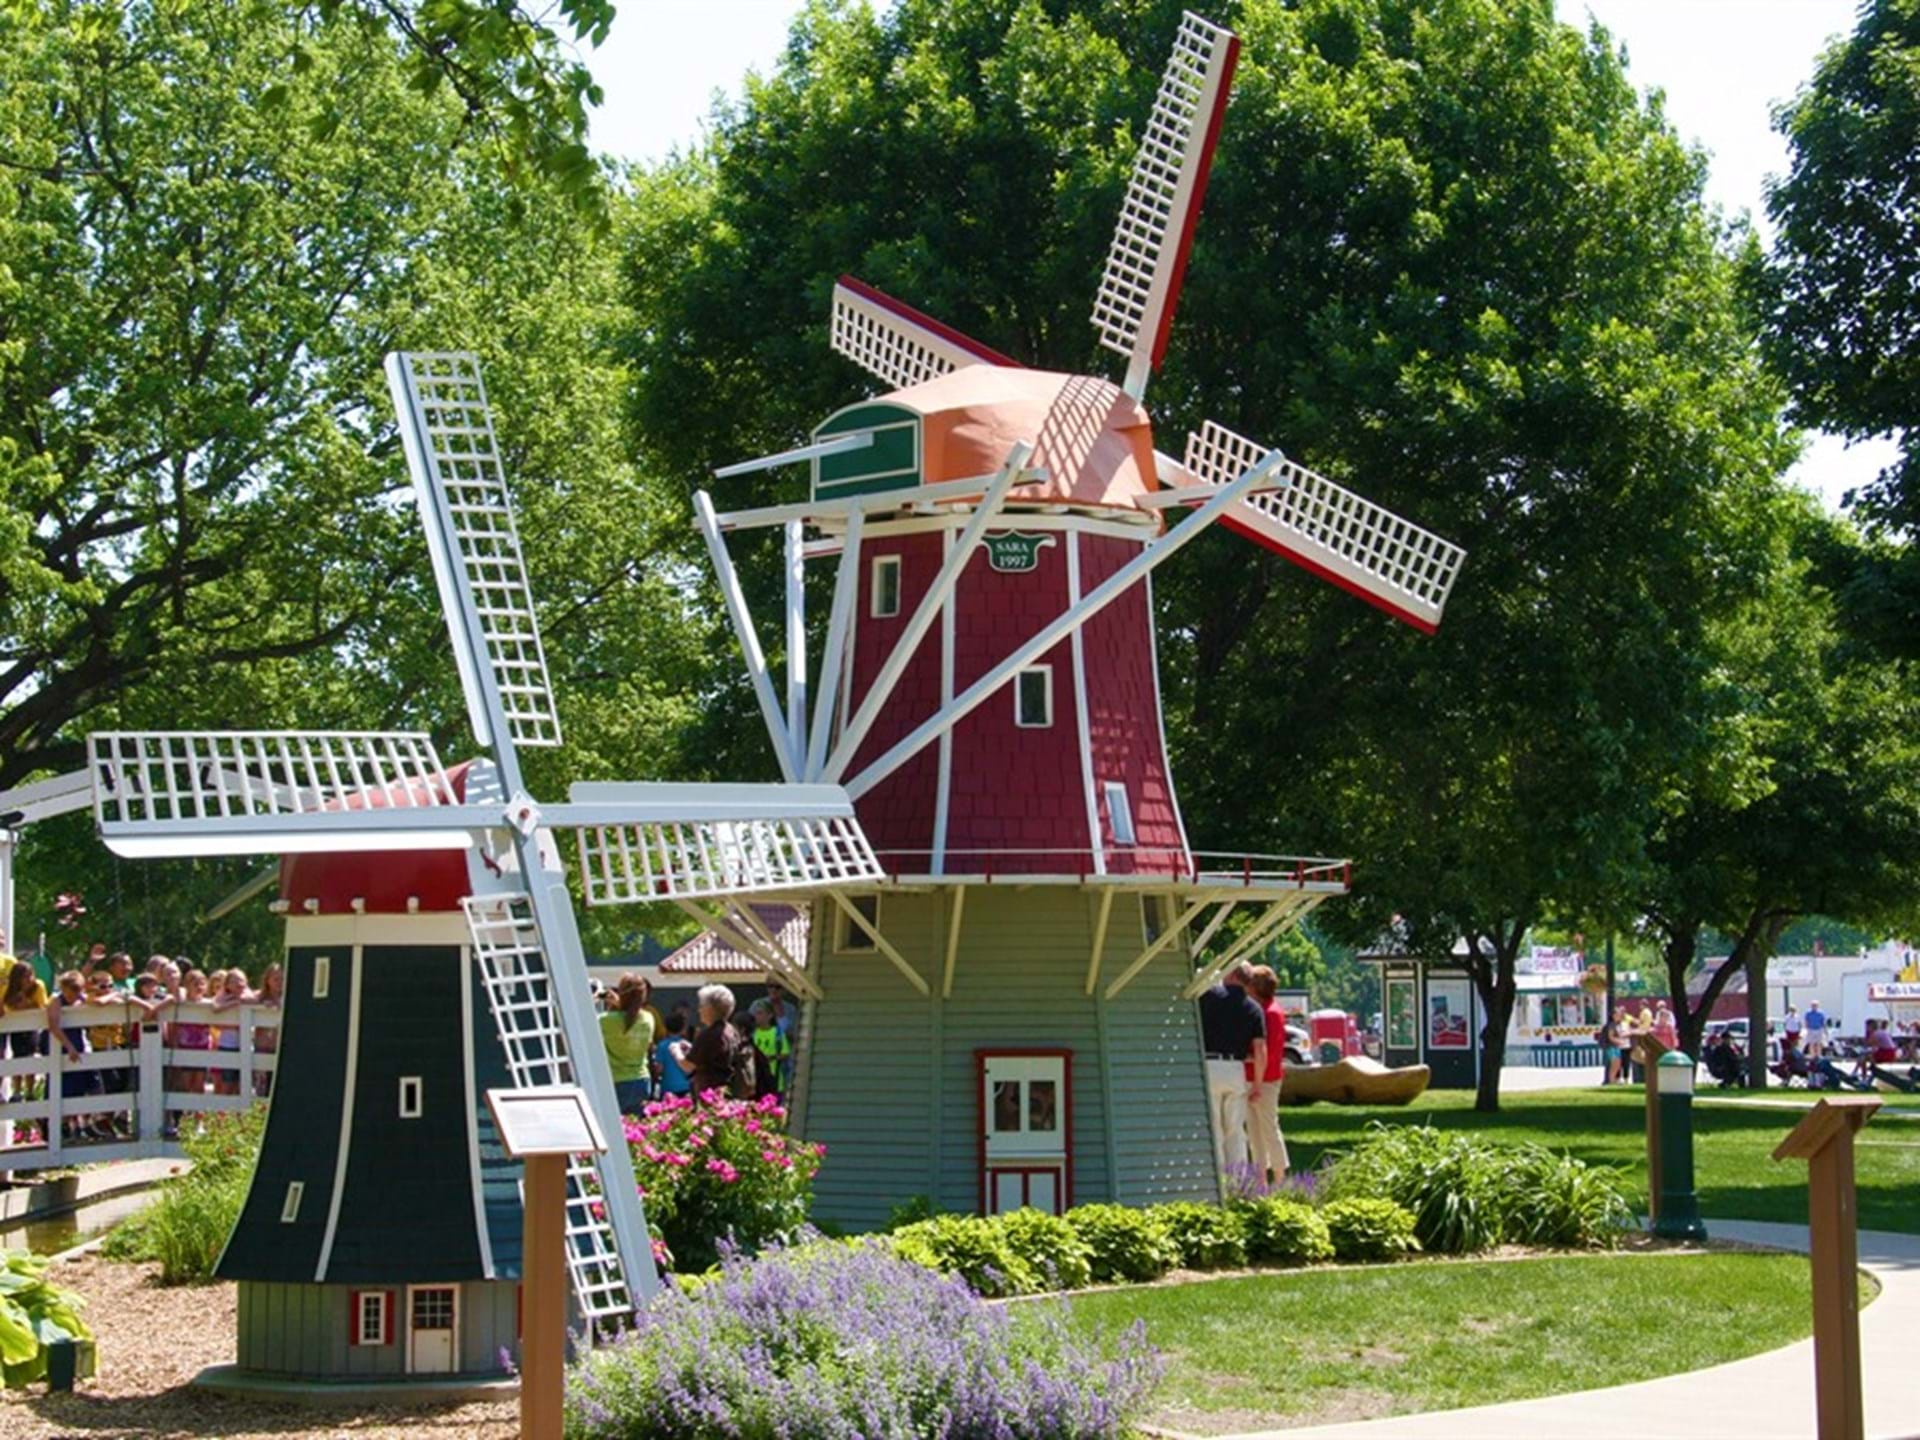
(1150, 867)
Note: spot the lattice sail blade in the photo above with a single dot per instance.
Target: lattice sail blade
(447, 430)
(896, 343)
(795, 838)
(519, 981)
(1133, 309)
(248, 792)
(1325, 528)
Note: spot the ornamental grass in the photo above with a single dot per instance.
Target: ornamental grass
(844, 1341)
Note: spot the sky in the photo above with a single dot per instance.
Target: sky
(1722, 64)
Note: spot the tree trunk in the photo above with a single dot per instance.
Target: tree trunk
(1493, 1043)
(1757, 1017)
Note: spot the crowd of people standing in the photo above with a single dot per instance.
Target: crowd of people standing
(102, 1004)
(710, 1047)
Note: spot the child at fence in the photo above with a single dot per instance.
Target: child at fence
(230, 992)
(109, 1036)
(25, 994)
(190, 1037)
(266, 1038)
(71, 1040)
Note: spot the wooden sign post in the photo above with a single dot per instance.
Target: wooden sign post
(542, 1126)
(1825, 1141)
(1648, 1051)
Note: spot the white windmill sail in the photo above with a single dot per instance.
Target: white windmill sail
(896, 343)
(1133, 308)
(447, 429)
(1328, 530)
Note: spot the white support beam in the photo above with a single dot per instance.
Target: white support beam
(743, 631)
(838, 445)
(797, 644)
(1167, 937)
(1059, 627)
(1099, 937)
(815, 511)
(846, 588)
(1272, 921)
(747, 920)
(6, 892)
(1207, 932)
(880, 942)
(953, 939)
(749, 945)
(926, 613)
(43, 799)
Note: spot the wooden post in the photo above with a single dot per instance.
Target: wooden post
(543, 1296)
(1648, 1051)
(1825, 1141)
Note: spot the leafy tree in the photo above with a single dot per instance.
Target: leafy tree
(1842, 292)
(1802, 801)
(1449, 254)
(204, 515)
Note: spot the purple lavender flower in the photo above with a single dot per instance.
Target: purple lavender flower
(838, 1341)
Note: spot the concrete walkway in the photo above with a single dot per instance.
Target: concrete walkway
(1764, 1397)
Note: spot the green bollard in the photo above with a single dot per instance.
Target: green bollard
(1677, 1216)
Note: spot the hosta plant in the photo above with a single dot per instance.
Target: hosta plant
(1126, 1245)
(34, 1313)
(1283, 1231)
(1210, 1237)
(1369, 1229)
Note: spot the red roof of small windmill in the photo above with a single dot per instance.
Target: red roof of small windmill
(383, 879)
(708, 954)
(1094, 440)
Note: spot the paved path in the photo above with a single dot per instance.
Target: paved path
(1764, 1397)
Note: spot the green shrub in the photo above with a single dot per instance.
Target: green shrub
(910, 1211)
(977, 1250)
(1468, 1193)
(1284, 1231)
(1126, 1245)
(1563, 1201)
(1050, 1247)
(187, 1225)
(1369, 1229)
(1208, 1236)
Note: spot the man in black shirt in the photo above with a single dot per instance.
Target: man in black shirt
(1234, 1032)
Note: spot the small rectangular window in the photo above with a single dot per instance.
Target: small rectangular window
(886, 586)
(1152, 921)
(1033, 697)
(372, 1312)
(290, 1207)
(1119, 812)
(322, 975)
(852, 937)
(409, 1097)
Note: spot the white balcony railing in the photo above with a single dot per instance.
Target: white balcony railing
(157, 1087)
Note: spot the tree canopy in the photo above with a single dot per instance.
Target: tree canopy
(204, 514)
(1449, 256)
(1842, 294)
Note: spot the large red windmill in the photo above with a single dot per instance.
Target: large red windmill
(986, 1028)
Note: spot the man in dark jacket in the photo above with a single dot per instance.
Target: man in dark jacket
(1232, 1031)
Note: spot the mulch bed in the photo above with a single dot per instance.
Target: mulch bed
(153, 1339)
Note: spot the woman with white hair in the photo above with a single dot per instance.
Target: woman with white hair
(711, 1057)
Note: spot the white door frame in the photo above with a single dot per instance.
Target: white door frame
(453, 1356)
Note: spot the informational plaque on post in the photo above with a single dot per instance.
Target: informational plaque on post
(545, 1120)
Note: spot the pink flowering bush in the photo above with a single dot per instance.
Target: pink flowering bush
(720, 1171)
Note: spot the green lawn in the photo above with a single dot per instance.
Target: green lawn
(1328, 1345)
(1736, 1175)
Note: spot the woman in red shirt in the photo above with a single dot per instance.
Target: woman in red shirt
(1263, 1091)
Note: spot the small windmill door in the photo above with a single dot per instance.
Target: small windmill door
(433, 1329)
(1026, 1129)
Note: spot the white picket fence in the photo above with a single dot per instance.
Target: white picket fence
(143, 1112)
